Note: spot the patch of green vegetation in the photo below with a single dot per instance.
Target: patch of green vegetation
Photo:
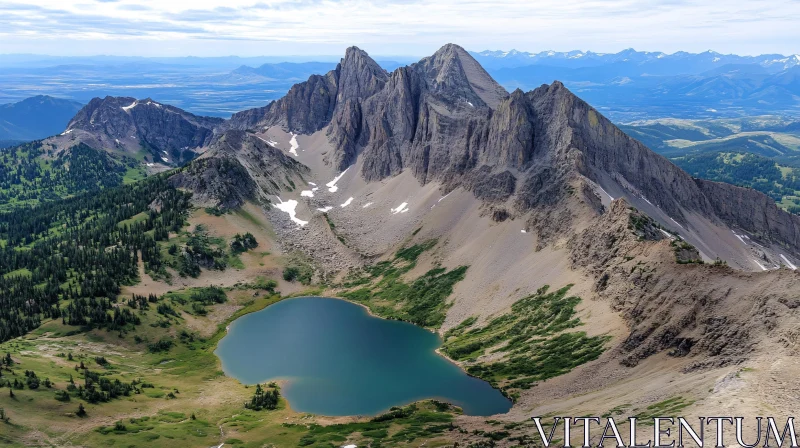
(459, 329)
(616, 410)
(332, 226)
(685, 253)
(145, 431)
(260, 283)
(195, 300)
(235, 261)
(243, 243)
(746, 170)
(215, 211)
(298, 269)
(24, 272)
(133, 174)
(246, 215)
(534, 338)
(78, 256)
(265, 398)
(670, 407)
(411, 254)
(422, 301)
(33, 173)
(200, 250)
(399, 425)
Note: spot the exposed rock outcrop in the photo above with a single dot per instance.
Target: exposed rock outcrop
(709, 312)
(446, 120)
(752, 210)
(172, 135)
(237, 167)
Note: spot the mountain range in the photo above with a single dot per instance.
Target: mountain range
(445, 120)
(380, 184)
(654, 62)
(35, 118)
(632, 85)
(626, 86)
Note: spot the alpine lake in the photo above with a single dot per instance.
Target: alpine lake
(333, 358)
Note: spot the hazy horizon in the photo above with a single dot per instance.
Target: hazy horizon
(248, 28)
(335, 57)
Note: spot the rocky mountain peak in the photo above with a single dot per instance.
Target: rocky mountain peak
(359, 76)
(124, 123)
(356, 57)
(311, 105)
(444, 119)
(453, 70)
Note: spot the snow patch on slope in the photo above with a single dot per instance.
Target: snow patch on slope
(289, 208)
(332, 184)
(402, 208)
(295, 145)
(789, 263)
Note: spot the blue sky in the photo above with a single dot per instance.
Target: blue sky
(393, 27)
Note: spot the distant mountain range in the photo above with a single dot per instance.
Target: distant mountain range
(626, 86)
(633, 85)
(655, 62)
(35, 118)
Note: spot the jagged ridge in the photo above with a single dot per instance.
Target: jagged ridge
(446, 120)
(238, 167)
(129, 124)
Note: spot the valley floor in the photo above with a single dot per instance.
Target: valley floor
(184, 398)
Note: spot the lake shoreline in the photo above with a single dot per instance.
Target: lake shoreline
(438, 351)
(449, 394)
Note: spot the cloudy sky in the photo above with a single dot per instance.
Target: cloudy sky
(393, 27)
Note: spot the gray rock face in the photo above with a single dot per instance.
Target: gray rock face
(156, 127)
(306, 108)
(446, 120)
(433, 118)
(750, 209)
(311, 105)
(239, 166)
(332, 99)
(604, 150)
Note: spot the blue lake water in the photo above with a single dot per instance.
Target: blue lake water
(339, 360)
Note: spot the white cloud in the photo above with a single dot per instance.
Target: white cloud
(246, 27)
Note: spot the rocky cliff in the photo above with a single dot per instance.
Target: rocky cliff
(445, 119)
(238, 166)
(169, 133)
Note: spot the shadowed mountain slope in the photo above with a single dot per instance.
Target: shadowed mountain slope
(36, 117)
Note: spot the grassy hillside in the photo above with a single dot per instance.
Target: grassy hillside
(766, 136)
